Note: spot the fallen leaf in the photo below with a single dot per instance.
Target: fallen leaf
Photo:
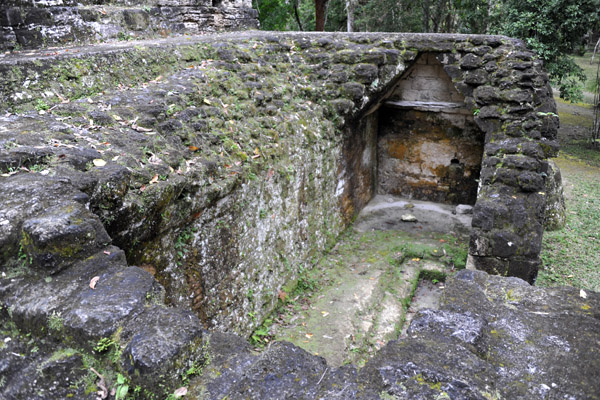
(98, 162)
(94, 281)
(143, 188)
(282, 295)
(194, 148)
(154, 179)
(582, 294)
(148, 268)
(182, 391)
(107, 252)
(207, 102)
(325, 313)
(309, 335)
(141, 128)
(416, 259)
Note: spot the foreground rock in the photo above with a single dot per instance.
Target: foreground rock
(492, 338)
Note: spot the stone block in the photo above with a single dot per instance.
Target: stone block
(490, 265)
(531, 182)
(486, 95)
(522, 162)
(517, 96)
(61, 235)
(160, 345)
(505, 244)
(476, 77)
(136, 20)
(555, 211)
(489, 213)
(117, 296)
(470, 61)
(353, 90)
(479, 244)
(489, 112)
(526, 269)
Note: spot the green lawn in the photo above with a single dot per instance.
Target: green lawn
(589, 69)
(571, 256)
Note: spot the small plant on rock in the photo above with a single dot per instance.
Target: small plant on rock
(55, 322)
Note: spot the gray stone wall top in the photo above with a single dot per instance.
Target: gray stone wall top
(45, 23)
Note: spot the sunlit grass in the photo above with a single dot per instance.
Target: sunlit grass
(571, 256)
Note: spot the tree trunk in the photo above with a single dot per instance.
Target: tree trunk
(320, 10)
(350, 4)
(426, 15)
(297, 15)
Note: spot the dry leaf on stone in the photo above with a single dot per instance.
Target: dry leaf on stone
(582, 294)
(141, 128)
(282, 295)
(94, 281)
(98, 162)
(154, 179)
(270, 173)
(182, 391)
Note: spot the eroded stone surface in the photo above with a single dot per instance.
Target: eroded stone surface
(33, 24)
(493, 337)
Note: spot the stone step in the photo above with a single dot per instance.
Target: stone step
(51, 76)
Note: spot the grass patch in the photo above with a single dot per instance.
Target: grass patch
(568, 118)
(581, 150)
(589, 69)
(571, 256)
(432, 275)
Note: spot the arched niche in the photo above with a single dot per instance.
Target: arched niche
(428, 145)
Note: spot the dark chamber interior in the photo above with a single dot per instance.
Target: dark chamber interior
(428, 145)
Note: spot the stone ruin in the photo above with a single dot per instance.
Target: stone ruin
(36, 23)
(150, 209)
